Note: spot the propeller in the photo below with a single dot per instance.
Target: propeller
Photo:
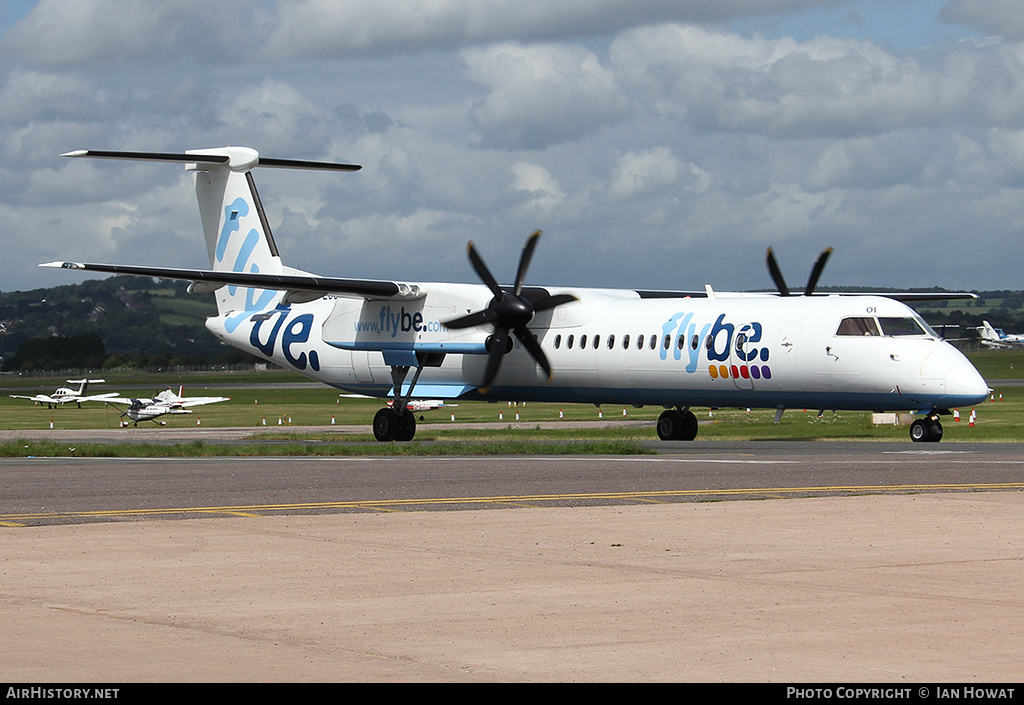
(812, 281)
(509, 311)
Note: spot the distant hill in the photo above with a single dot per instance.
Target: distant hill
(135, 317)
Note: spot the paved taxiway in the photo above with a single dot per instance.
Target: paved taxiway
(577, 568)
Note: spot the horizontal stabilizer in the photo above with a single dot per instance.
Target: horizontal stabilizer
(280, 282)
(236, 157)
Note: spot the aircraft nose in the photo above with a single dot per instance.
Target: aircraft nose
(963, 380)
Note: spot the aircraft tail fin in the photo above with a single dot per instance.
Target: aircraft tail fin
(235, 226)
(988, 332)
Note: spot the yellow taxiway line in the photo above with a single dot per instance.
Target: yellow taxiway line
(257, 510)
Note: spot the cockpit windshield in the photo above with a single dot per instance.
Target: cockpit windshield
(903, 326)
(858, 325)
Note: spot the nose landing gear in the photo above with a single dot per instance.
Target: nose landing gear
(926, 430)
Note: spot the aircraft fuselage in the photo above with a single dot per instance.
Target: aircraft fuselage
(615, 347)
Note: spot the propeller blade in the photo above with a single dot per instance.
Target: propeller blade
(533, 347)
(524, 261)
(819, 265)
(482, 271)
(477, 318)
(773, 269)
(499, 344)
(549, 302)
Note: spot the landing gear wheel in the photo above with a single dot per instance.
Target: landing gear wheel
(407, 427)
(677, 425)
(389, 426)
(385, 424)
(927, 430)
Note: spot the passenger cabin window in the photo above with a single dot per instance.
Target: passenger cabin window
(858, 325)
(558, 342)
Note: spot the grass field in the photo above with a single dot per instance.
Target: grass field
(271, 406)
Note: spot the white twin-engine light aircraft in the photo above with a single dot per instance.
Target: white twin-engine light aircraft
(63, 395)
(553, 344)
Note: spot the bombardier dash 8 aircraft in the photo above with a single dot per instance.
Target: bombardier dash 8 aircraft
(405, 340)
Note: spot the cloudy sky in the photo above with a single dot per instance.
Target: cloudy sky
(657, 143)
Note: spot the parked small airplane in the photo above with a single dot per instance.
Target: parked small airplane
(166, 402)
(424, 404)
(412, 404)
(63, 395)
(996, 338)
(675, 349)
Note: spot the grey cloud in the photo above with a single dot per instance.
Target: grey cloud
(62, 34)
(1004, 18)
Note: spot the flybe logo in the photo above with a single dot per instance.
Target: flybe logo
(292, 330)
(718, 343)
(393, 322)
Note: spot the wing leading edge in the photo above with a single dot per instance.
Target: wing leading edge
(302, 287)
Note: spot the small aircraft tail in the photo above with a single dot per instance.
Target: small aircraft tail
(83, 384)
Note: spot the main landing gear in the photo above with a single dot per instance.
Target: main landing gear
(926, 430)
(677, 425)
(398, 423)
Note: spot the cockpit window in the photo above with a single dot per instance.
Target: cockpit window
(901, 326)
(858, 325)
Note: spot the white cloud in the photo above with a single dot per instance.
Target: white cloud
(539, 95)
(639, 172)
(542, 192)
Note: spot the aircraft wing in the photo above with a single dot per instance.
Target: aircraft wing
(206, 280)
(198, 401)
(109, 396)
(41, 398)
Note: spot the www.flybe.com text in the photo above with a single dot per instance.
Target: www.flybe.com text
(400, 321)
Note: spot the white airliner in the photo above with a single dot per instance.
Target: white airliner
(996, 338)
(63, 395)
(166, 402)
(553, 344)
